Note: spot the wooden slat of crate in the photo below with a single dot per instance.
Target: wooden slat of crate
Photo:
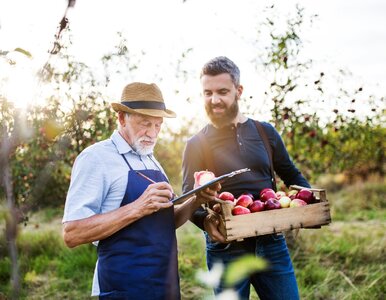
(265, 222)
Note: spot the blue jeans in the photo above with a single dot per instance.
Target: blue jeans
(276, 283)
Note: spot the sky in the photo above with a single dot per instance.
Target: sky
(347, 34)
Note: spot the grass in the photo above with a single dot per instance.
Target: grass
(344, 260)
(191, 258)
(360, 202)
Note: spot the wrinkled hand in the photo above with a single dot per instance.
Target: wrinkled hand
(211, 226)
(156, 196)
(208, 194)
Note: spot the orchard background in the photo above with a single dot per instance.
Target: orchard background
(336, 136)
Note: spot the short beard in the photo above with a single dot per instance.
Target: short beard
(226, 118)
(143, 150)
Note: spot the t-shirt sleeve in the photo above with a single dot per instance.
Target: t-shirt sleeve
(283, 165)
(86, 191)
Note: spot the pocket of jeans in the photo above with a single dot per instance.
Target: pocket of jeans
(277, 236)
(215, 246)
(272, 241)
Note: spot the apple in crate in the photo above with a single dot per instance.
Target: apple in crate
(226, 196)
(297, 203)
(202, 177)
(292, 194)
(249, 194)
(240, 210)
(266, 190)
(268, 194)
(256, 206)
(244, 200)
(306, 195)
(285, 201)
(280, 194)
(272, 203)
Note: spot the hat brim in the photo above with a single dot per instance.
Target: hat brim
(148, 112)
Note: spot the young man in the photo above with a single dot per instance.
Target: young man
(233, 142)
(110, 201)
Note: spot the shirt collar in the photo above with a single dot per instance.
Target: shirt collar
(120, 143)
(230, 127)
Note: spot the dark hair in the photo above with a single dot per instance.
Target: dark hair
(220, 65)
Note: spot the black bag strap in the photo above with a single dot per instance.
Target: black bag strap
(268, 147)
(208, 157)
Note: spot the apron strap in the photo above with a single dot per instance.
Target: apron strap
(149, 156)
(127, 162)
(157, 166)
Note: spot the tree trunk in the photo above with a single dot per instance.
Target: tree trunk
(11, 219)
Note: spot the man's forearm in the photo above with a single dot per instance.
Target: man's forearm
(183, 211)
(100, 226)
(198, 217)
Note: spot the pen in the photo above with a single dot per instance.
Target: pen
(149, 179)
(144, 176)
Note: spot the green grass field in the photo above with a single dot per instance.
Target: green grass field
(345, 260)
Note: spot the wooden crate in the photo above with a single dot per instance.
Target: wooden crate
(272, 221)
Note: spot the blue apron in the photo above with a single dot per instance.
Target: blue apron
(140, 260)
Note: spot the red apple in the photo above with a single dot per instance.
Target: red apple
(267, 195)
(272, 203)
(202, 177)
(249, 194)
(297, 203)
(292, 194)
(285, 201)
(265, 190)
(306, 195)
(226, 196)
(240, 210)
(244, 200)
(256, 206)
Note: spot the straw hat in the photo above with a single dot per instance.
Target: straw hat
(143, 98)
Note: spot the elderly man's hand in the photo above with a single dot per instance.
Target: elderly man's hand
(211, 226)
(209, 194)
(156, 196)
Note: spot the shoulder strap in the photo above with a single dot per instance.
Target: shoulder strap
(268, 147)
(208, 158)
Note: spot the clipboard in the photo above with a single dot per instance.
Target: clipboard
(219, 179)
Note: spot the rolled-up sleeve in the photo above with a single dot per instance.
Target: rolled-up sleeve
(87, 187)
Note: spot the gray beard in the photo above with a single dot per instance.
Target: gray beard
(145, 151)
(142, 150)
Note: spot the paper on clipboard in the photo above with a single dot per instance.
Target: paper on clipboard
(220, 179)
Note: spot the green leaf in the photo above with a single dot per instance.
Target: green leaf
(242, 268)
(25, 52)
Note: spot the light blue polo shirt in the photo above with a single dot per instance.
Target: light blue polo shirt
(99, 179)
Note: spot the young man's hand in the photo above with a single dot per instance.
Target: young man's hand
(211, 226)
(209, 194)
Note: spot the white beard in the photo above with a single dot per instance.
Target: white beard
(141, 149)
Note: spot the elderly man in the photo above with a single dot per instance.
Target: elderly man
(120, 196)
